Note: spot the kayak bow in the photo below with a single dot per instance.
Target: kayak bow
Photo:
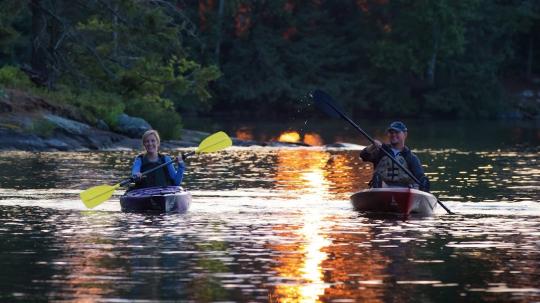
(167, 199)
(395, 201)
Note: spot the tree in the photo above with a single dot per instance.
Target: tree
(132, 49)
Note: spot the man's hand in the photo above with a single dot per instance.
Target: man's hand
(375, 146)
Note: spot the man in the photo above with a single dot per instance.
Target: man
(386, 172)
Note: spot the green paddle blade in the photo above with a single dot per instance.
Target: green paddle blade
(96, 195)
(215, 142)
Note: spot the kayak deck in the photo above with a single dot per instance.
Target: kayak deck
(395, 201)
(167, 199)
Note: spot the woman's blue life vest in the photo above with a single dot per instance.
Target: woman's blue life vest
(387, 172)
(159, 177)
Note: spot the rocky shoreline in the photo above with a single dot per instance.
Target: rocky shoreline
(29, 123)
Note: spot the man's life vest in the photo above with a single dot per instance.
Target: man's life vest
(390, 172)
(159, 177)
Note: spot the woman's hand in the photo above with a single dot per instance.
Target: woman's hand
(179, 160)
(137, 176)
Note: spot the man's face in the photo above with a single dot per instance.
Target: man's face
(396, 138)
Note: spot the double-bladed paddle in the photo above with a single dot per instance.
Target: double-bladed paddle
(96, 195)
(326, 103)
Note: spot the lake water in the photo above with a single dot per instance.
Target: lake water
(275, 224)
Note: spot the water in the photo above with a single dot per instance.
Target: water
(274, 225)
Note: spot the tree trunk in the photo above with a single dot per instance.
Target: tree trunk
(530, 55)
(430, 72)
(54, 29)
(38, 61)
(115, 32)
(431, 69)
(219, 30)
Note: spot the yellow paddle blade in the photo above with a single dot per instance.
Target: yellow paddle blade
(215, 142)
(96, 195)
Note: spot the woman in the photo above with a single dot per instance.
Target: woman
(166, 176)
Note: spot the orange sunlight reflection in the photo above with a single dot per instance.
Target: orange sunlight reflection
(316, 175)
(340, 173)
(244, 134)
(305, 266)
(292, 136)
(289, 136)
(313, 139)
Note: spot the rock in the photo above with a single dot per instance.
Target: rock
(59, 145)
(527, 93)
(102, 125)
(284, 144)
(238, 142)
(133, 127)
(345, 145)
(512, 115)
(193, 136)
(67, 125)
(5, 107)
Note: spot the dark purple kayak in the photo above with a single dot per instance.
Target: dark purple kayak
(166, 199)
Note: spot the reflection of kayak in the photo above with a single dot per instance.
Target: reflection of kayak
(400, 201)
(156, 199)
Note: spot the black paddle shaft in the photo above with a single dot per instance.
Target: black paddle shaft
(184, 157)
(342, 115)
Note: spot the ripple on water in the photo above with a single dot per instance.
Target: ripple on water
(279, 229)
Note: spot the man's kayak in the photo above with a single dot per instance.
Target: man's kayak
(167, 199)
(395, 201)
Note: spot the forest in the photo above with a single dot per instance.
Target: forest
(160, 59)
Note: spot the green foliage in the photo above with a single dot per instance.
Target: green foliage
(159, 112)
(101, 105)
(13, 77)
(99, 55)
(42, 127)
(401, 57)
(11, 40)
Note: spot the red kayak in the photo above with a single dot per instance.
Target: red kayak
(395, 201)
(167, 199)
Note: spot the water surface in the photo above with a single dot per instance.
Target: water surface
(272, 225)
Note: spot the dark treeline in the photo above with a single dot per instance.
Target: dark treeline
(399, 57)
(158, 58)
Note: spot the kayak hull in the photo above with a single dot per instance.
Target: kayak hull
(395, 201)
(166, 199)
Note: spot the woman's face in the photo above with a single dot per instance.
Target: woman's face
(151, 144)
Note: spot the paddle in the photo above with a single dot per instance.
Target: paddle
(326, 103)
(96, 195)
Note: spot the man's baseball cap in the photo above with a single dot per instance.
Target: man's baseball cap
(397, 126)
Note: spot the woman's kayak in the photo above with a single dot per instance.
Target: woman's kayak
(395, 201)
(167, 199)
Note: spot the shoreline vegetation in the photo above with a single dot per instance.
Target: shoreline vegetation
(30, 123)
